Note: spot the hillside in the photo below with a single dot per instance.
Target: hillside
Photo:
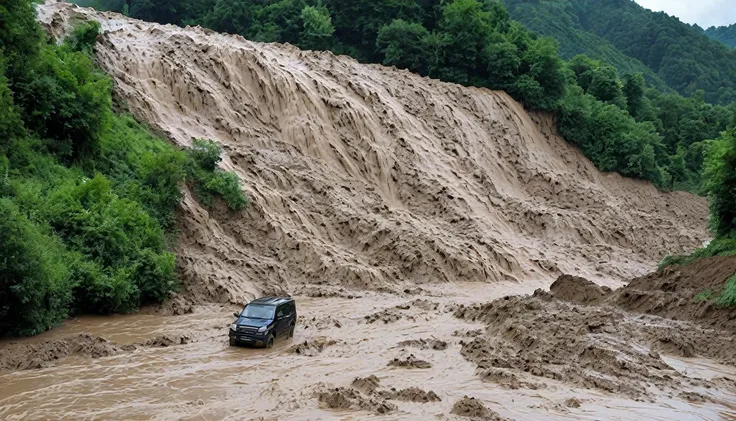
(724, 34)
(679, 54)
(559, 20)
(370, 177)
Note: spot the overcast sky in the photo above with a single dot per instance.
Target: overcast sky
(703, 12)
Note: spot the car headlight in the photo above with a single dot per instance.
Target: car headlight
(234, 326)
(262, 329)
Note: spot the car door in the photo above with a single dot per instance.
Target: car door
(282, 321)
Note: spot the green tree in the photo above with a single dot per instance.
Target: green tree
(633, 89)
(318, 29)
(401, 44)
(34, 283)
(720, 183)
(232, 16)
(20, 36)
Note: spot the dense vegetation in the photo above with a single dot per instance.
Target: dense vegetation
(87, 197)
(618, 120)
(724, 34)
(678, 53)
(559, 20)
(719, 182)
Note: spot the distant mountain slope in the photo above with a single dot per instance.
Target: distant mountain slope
(724, 34)
(559, 20)
(679, 54)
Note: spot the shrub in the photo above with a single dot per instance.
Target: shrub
(208, 180)
(704, 296)
(728, 296)
(84, 37)
(227, 185)
(126, 262)
(35, 288)
(67, 100)
(205, 154)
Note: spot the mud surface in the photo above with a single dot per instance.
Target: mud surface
(474, 409)
(676, 292)
(523, 357)
(398, 211)
(590, 347)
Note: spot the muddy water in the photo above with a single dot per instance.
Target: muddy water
(209, 380)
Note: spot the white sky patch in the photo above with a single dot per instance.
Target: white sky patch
(703, 12)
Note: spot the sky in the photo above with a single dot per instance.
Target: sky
(703, 12)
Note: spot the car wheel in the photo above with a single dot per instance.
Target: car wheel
(291, 331)
(232, 342)
(269, 342)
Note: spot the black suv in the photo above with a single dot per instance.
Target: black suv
(263, 320)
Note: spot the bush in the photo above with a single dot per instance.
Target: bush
(728, 296)
(67, 100)
(227, 185)
(127, 264)
(35, 288)
(703, 296)
(205, 154)
(717, 247)
(84, 37)
(208, 180)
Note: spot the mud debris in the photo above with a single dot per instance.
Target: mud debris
(163, 341)
(578, 290)
(592, 347)
(410, 394)
(318, 322)
(24, 356)
(434, 344)
(573, 402)
(347, 398)
(409, 362)
(389, 315)
(313, 347)
(367, 385)
(474, 409)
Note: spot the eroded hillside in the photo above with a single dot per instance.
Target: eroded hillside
(366, 177)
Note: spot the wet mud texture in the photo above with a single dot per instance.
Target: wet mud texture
(474, 409)
(671, 292)
(364, 177)
(530, 339)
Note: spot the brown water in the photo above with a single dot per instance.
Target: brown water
(209, 380)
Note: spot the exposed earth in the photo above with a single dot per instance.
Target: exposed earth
(451, 257)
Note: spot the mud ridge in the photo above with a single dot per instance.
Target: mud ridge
(434, 344)
(591, 347)
(474, 409)
(409, 362)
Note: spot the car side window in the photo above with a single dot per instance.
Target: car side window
(292, 307)
(280, 311)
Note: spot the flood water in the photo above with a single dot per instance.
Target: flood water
(209, 380)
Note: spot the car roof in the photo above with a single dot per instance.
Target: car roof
(271, 301)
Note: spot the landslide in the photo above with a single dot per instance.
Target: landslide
(367, 177)
(531, 340)
(678, 292)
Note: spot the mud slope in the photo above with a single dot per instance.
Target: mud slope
(677, 292)
(367, 177)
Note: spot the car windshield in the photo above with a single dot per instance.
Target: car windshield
(258, 312)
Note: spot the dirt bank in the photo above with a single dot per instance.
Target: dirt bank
(533, 339)
(676, 292)
(366, 177)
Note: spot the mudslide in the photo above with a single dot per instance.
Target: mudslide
(367, 177)
(408, 217)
